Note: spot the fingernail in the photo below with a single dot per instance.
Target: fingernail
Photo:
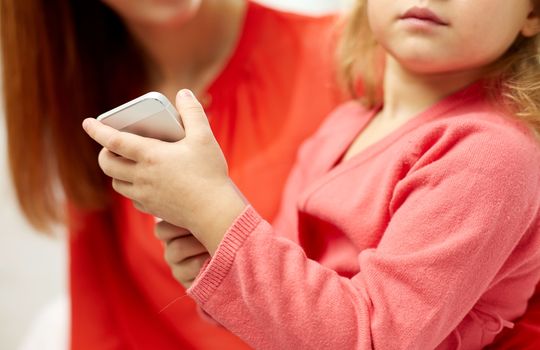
(85, 123)
(186, 93)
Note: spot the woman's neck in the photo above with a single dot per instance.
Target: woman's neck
(193, 53)
(407, 93)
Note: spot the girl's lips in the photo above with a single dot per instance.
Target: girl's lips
(423, 14)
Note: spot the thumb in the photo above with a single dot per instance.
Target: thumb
(191, 111)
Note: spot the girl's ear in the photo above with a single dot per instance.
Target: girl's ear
(531, 27)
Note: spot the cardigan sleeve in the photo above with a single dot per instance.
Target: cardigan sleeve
(456, 220)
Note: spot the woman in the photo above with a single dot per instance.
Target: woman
(255, 68)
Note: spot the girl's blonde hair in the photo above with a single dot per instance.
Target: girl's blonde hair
(516, 74)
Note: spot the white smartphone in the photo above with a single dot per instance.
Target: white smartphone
(150, 115)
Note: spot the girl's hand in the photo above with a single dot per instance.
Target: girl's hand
(184, 254)
(185, 183)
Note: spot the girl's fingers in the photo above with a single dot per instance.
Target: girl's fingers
(126, 189)
(139, 206)
(181, 249)
(166, 232)
(186, 272)
(193, 116)
(115, 166)
(122, 143)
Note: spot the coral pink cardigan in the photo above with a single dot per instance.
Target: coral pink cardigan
(427, 239)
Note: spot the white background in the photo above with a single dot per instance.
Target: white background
(33, 268)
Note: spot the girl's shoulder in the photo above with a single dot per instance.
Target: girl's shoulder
(476, 133)
(486, 139)
(483, 123)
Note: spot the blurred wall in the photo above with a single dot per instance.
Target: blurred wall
(33, 267)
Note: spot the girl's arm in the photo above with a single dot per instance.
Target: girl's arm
(460, 225)
(449, 240)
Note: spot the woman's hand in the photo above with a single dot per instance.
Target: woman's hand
(185, 183)
(184, 254)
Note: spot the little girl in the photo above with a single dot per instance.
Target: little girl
(411, 219)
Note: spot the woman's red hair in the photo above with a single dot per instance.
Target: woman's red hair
(63, 60)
